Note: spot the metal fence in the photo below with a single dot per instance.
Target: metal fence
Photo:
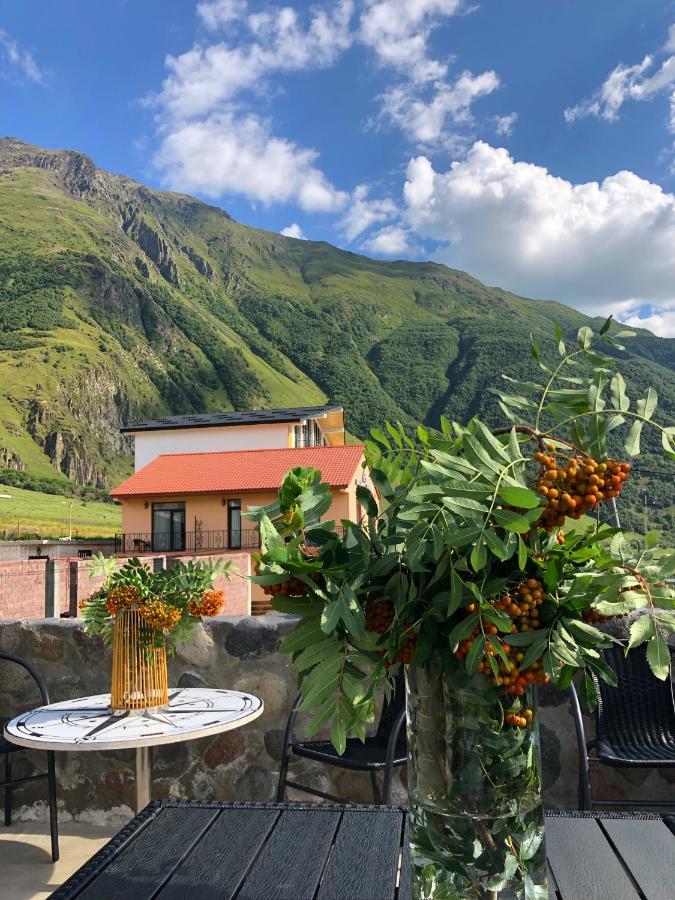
(186, 541)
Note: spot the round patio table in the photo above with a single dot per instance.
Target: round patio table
(88, 723)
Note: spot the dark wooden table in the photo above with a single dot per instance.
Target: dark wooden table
(250, 851)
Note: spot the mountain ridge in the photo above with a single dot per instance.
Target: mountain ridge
(119, 301)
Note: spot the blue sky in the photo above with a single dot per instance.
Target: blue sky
(529, 143)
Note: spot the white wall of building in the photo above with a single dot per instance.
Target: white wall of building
(149, 444)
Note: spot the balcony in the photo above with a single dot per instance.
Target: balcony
(131, 543)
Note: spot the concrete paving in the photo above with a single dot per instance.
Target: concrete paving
(25, 856)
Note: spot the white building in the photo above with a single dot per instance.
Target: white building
(260, 429)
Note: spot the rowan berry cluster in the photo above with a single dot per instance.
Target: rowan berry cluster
(209, 604)
(122, 598)
(518, 721)
(574, 485)
(504, 669)
(159, 614)
(522, 605)
(379, 614)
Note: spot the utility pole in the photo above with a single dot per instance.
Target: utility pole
(645, 514)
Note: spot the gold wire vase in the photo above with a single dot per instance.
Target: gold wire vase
(139, 673)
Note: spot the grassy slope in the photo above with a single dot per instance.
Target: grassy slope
(48, 514)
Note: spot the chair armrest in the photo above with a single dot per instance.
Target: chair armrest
(585, 796)
(37, 678)
(292, 716)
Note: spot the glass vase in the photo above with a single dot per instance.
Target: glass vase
(476, 812)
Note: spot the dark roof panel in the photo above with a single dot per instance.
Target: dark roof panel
(250, 417)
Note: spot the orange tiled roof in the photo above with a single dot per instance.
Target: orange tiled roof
(237, 470)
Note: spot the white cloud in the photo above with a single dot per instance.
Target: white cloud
(661, 323)
(504, 124)
(216, 13)
(641, 81)
(398, 31)
(389, 241)
(228, 153)
(294, 231)
(18, 58)
(208, 141)
(516, 225)
(205, 76)
(424, 120)
(364, 213)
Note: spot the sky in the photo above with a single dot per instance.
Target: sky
(528, 142)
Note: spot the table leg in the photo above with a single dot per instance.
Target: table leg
(143, 777)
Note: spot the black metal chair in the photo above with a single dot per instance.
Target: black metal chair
(8, 749)
(634, 722)
(380, 752)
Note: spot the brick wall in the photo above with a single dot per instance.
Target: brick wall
(24, 593)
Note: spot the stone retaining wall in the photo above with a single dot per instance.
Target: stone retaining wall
(240, 653)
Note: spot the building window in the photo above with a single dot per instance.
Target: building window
(168, 526)
(308, 435)
(234, 524)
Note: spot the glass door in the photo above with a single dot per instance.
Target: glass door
(168, 526)
(234, 524)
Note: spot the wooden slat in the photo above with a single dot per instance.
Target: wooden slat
(364, 859)
(290, 864)
(220, 861)
(144, 864)
(583, 862)
(647, 848)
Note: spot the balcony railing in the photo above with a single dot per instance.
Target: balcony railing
(186, 541)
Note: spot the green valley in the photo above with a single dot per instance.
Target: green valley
(118, 301)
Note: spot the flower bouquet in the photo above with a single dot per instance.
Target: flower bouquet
(485, 566)
(144, 613)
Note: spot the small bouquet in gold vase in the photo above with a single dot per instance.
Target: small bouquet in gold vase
(142, 614)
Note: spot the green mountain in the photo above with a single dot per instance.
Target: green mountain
(118, 301)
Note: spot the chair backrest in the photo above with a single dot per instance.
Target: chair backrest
(392, 709)
(19, 661)
(640, 702)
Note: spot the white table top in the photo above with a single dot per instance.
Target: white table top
(88, 723)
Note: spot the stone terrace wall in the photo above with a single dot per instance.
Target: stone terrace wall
(240, 653)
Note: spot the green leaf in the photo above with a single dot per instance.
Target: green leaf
(475, 654)
(316, 653)
(534, 651)
(641, 630)
(300, 606)
(304, 635)
(478, 555)
(531, 841)
(632, 443)
(365, 497)
(522, 553)
(462, 630)
(456, 592)
(618, 393)
(585, 337)
(519, 496)
(658, 657)
(606, 325)
(338, 731)
(647, 406)
(587, 693)
(330, 616)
